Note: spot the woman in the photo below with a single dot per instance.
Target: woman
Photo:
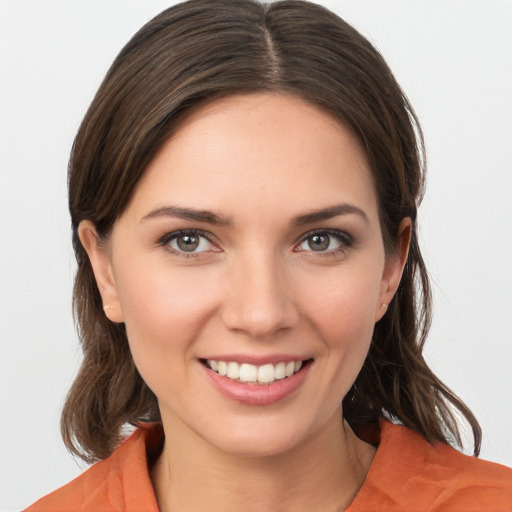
(243, 192)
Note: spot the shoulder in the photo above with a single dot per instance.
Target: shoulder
(120, 482)
(408, 473)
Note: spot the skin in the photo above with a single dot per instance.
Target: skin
(254, 288)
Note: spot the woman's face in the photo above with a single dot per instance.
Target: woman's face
(251, 246)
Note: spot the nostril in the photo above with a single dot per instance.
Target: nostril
(258, 304)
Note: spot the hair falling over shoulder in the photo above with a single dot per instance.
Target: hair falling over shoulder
(200, 50)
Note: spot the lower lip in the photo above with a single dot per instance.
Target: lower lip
(257, 394)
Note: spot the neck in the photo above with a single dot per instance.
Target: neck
(324, 473)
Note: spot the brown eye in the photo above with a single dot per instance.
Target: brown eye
(187, 243)
(319, 242)
(330, 241)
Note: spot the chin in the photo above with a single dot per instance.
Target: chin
(260, 439)
(262, 447)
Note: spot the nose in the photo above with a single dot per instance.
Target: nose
(259, 301)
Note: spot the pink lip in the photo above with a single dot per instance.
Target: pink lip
(257, 394)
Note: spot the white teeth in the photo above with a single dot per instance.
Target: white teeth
(223, 368)
(245, 372)
(280, 371)
(266, 373)
(233, 370)
(248, 372)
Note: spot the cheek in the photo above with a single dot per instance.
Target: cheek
(340, 310)
(164, 313)
(164, 310)
(344, 310)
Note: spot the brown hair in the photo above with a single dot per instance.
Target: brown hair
(204, 49)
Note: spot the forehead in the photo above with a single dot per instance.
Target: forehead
(265, 149)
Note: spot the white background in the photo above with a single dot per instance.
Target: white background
(454, 60)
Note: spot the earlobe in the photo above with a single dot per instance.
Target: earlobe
(102, 268)
(394, 267)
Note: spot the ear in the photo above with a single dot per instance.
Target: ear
(394, 267)
(102, 268)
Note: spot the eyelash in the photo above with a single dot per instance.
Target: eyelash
(169, 237)
(346, 242)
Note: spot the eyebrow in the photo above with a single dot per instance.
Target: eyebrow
(188, 214)
(329, 213)
(209, 217)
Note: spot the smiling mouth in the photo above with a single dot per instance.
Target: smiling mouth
(253, 374)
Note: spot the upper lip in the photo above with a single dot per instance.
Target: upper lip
(257, 360)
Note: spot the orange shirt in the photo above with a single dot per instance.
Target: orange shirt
(407, 474)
